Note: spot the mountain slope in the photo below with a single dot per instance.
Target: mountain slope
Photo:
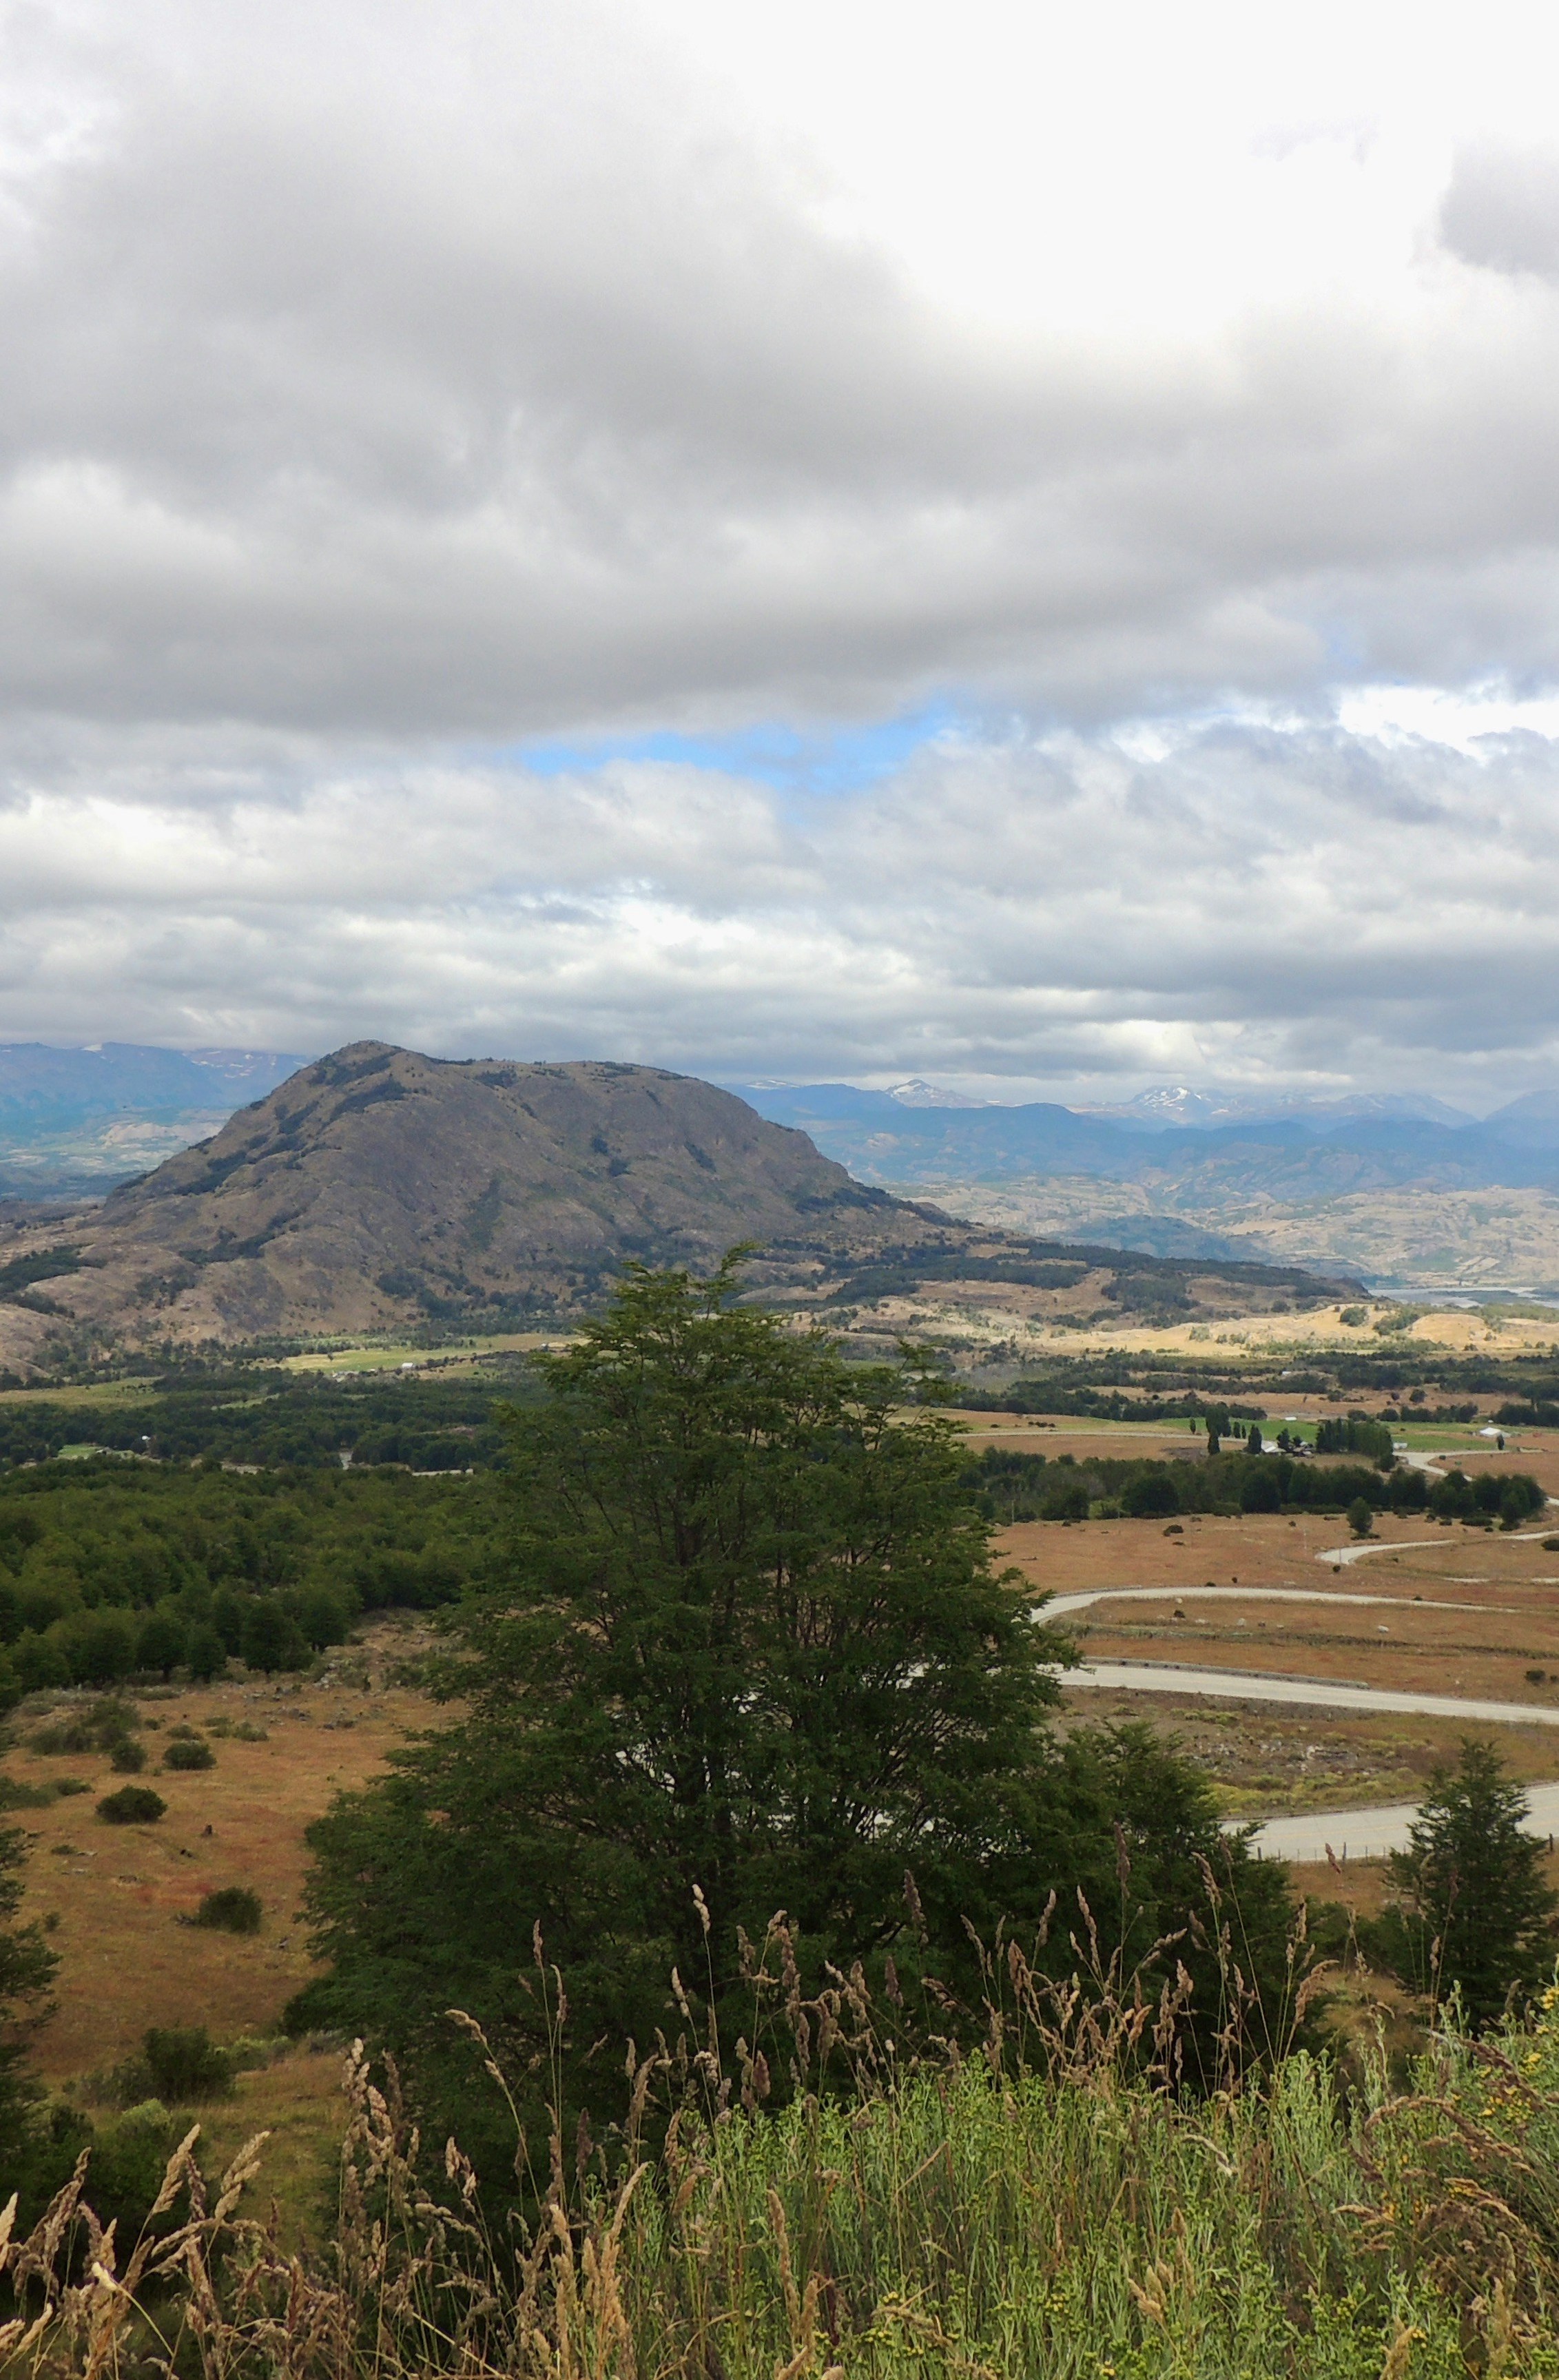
(377, 1189)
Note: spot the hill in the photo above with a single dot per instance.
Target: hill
(380, 1190)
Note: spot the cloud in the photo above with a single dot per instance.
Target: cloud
(1231, 897)
(1162, 395)
(505, 370)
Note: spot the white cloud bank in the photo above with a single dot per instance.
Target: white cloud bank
(1224, 899)
(385, 385)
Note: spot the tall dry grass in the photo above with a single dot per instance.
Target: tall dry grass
(1053, 2206)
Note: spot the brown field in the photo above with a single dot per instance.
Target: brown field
(1266, 1759)
(119, 1892)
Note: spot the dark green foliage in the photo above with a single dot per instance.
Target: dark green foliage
(233, 1909)
(271, 1639)
(1361, 1520)
(89, 1727)
(185, 2065)
(132, 1805)
(160, 1644)
(205, 1655)
(40, 1664)
(1065, 1499)
(1354, 1434)
(187, 1754)
(748, 1655)
(1476, 1913)
(27, 1968)
(1151, 1495)
(1513, 1497)
(128, 1757)
(129, 2158)
(1261, 1490)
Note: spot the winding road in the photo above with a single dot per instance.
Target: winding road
(1349, 1834)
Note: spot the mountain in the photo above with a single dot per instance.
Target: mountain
(1170, 1106)
(1531, 1122)
(377, 1189)
(41, 1085)
(77, 1121)
(1199, 1170)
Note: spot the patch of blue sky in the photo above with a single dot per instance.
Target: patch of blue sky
(837, 758)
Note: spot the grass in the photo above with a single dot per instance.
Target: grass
(116, 1893)
(1053, 2209)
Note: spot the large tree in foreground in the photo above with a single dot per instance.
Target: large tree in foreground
(749, 1651)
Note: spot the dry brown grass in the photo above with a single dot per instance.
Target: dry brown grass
(119, 1892)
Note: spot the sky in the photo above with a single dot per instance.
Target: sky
(1005, 543)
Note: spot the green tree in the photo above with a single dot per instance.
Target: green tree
(750, 1654)
(1474, 1910)
(206, 1654)
(1361, 1519)
(27, 1968)
(161, 1642)
(1253, 1439)
(271, 1639)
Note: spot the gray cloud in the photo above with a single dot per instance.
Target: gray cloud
(1502, 208)
(1232, 899)
(473, 372)
(385, 387)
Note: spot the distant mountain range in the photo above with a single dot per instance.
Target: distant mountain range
(1171, 1104)
(77, 1121)
(380, 1190)
(1376, 1144)
(1308, 1187)
(1217, 1172)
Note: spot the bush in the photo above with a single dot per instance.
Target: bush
(132, 1805)
(127, 1758)
(1361, 1520)
(233, 1909)
(185, 1755)
(95, 1726)
(185, 2064)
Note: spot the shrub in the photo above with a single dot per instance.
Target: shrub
(232, 1909)
(1361, 1520)
(184, 2064)
(185, 1755)
(96, 1727)
(132, 1805)
(127, 1758)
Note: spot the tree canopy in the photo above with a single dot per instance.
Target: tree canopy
(748, 1652)
(1476, 1912)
